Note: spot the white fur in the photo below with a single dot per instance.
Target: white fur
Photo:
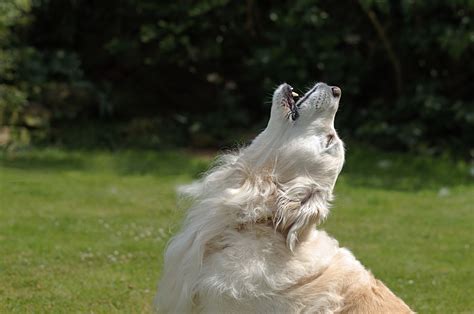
(249, 239)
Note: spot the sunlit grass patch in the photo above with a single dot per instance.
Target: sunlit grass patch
(85, 230)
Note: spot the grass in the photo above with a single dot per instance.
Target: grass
(84, 231)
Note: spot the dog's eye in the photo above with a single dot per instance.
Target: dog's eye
(329, 139)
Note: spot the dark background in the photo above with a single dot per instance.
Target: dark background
(159, 74)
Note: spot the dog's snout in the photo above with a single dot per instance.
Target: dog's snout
(336, 91)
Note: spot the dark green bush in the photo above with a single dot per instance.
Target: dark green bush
(206, 69)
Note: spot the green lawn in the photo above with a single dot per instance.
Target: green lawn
(85, 231)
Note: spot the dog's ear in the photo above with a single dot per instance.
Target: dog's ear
(300, 206)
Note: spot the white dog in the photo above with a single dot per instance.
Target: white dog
(249, 242)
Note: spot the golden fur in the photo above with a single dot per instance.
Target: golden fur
(249, 243)
(358, 295)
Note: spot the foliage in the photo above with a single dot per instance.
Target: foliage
(84, 231)
(208, 67)
(36, 86)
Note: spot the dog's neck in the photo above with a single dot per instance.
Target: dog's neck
(265, 150)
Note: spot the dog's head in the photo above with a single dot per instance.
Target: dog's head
(300, 138)
(315, 109)
(286, 175)
(304, 154)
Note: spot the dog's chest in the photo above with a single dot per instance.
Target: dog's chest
(254, 267)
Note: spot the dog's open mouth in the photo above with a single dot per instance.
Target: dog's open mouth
(291, 98)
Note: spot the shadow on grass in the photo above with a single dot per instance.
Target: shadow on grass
(125, 163)
(41, 160)
(394, 171)
(159, 163)
(364, 167)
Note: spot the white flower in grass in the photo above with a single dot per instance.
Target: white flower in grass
(112, 258)
(443, 192)
(384, 164)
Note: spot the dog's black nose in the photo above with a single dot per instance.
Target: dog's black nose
(336, 91)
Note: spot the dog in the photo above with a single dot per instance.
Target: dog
(249, 243)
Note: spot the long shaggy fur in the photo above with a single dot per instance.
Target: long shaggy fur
(249, 243)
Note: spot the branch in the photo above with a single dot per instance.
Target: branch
(387, 46)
